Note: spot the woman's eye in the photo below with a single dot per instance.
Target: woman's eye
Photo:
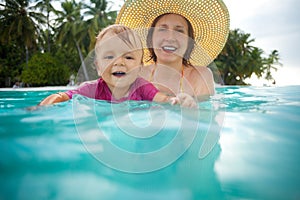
(180, 31)
(162, 29)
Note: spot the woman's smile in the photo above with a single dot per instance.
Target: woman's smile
(169, 49)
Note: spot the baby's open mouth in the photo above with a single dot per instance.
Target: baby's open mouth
(119, 73)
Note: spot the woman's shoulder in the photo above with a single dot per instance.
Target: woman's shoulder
(202, 80)
(196, 71)
(200, 69)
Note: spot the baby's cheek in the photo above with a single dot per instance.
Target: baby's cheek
(100, 70)
(103, 66)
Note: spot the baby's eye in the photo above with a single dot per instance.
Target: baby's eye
(108, 57)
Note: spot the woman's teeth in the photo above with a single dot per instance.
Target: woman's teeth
(169, 48)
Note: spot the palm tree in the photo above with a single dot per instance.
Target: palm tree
(98, 18)
(45, 6)
(20, 23)
(239, 59)
(71, 29)
(270, 63)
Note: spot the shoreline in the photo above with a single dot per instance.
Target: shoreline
(49, 88)
(45, 88)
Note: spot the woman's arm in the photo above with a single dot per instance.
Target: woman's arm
(208, 78)
(54, 98)
(203, 83)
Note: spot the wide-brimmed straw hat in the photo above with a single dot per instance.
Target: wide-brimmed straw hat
(209, 19)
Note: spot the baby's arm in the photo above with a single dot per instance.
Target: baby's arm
(161, 97)
(54, 98)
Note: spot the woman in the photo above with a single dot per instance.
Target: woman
(185, 37)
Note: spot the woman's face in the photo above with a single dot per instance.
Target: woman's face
(170, 38)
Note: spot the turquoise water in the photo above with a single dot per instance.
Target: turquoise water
(243, 143)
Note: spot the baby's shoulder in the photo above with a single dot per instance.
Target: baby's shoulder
(88, 83)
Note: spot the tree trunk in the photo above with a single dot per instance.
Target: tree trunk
(27, 55)
(86, 76)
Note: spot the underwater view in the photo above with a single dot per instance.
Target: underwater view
(242, 143)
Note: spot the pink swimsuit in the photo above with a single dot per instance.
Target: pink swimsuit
(139, 90)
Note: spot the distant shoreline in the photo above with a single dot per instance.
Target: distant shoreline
(39, 88)
(49, 88)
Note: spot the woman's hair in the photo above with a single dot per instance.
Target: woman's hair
(191, 42)
(127, 35)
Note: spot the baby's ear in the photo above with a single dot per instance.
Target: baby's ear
(141, 66)
(98, 68)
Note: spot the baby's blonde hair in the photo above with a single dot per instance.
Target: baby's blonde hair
(126, 34)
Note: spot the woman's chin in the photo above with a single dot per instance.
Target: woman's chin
(169, 59)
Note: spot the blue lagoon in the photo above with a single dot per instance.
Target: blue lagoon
(243, 143)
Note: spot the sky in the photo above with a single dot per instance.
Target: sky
(274, 24)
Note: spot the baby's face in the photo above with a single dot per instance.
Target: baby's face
(118, 64)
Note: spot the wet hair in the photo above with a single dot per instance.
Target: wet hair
(191, 42)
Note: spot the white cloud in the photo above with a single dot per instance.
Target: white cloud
(274, 24)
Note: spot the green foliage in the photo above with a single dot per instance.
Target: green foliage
(43, 69)
(10, 62)
(270, 64)
(69, 57)
(19, 22)
(99, 18)
(239, 60)
(69, 35)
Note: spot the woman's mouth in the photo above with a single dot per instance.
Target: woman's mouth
(169, 49)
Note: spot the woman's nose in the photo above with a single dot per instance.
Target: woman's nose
(170, 35)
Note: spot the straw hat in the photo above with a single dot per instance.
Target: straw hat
(209, 19)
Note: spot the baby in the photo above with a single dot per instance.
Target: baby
(119, 56)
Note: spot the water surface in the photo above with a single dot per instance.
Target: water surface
(243, 143)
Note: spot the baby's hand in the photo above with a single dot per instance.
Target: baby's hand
(184, 100)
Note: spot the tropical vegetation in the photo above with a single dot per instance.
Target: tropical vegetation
(35, 31)
(43, 45)
(239, 60)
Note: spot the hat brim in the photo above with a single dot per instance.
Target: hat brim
(209, 19)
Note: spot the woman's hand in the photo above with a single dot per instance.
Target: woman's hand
(184, 100)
